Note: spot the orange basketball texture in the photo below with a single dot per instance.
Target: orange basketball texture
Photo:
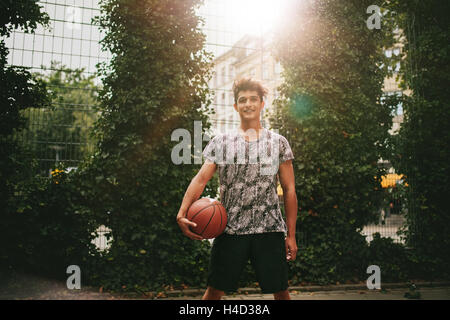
(210, 217)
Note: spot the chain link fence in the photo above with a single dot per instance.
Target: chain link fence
(238, 34)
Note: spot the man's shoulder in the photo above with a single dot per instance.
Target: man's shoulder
(233, 136)
(224, 136)
(275, 135)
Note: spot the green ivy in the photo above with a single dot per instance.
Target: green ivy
(330, 111)
(19, 90)
(155, 83)
(48, 231)
(421, 150)
(394, 261)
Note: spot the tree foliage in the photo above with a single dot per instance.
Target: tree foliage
(332, 115)
(421, 148)
(19, 90)
(155, 83)
(67, 122)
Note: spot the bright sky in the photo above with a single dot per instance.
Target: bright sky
(75, 42)
(226, 21)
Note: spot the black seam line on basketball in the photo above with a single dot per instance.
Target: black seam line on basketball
(220, 227)
(201, 233)
(220, 217)
(200, 211)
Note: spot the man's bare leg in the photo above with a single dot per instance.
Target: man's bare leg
(212, 294)
(282, 295)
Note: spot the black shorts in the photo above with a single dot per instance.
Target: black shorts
(266, 251)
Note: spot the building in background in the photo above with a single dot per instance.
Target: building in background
(391, 87)
(251, 56)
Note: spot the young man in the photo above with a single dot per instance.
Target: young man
(248, 160)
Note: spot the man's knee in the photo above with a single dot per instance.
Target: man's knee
(213, 294)
(282, 295)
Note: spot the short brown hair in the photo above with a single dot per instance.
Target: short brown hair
(248, 84)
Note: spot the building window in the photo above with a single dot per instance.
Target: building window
(388, 53)
(396, 68)
(265, 71)
(224, 75)
(249, 48)
(231, 71)
(277, 68)
(400, 109)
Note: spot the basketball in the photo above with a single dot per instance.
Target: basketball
(210, 217)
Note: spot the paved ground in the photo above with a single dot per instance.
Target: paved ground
(441, 293)
(28, 287)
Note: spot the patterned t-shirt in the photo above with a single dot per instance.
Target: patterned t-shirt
(248, 179)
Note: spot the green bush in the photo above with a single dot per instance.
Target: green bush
(332, 114)
(391, 257)
(336, 253)
(46, 233)
(421, 147)
(156, 82)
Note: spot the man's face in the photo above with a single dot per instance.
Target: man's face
(249, 105)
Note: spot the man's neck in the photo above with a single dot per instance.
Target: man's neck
(249, 129)
(252, 124)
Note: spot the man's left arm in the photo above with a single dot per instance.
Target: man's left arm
(287, 181)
